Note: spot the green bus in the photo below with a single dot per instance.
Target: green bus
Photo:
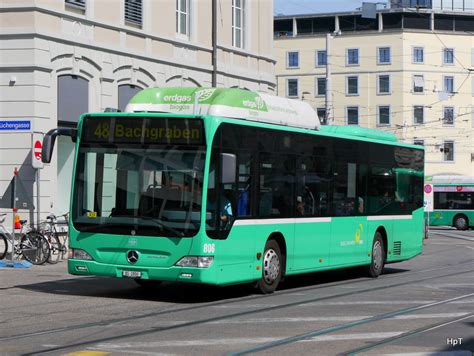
(453, 201)
(228, 186)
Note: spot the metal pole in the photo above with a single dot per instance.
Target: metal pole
(214, 43)
(38, 210)
(15, 175)
(329, 114)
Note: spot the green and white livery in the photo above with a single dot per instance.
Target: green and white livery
(227, 186)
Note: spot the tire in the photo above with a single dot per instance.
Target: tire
(55, 248)
(272, 263)
(377, 263)
(461, 222)
(3, 246)
(147, 283)
(35, 248)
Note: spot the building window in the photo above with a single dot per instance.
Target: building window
(292, 60)
(237, 23)
(448, 150)
(448, 56)
(292, 88)
(182, 17)
(448, 117)
(353, 56)
(125, 93)
(353, 115)
(81, 4)
(448, 84)
(383, 85)
(418, 55)
(384, 115)
(320, 86)
(133, 11)
(418, 115)
(418, 84)
(419, 142)
(322, 115)
(352, 86)
(384, 55)
(321, 58)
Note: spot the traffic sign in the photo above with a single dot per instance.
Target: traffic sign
(36, 146)
(428, 197)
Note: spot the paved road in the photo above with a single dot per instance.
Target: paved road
(422, 305)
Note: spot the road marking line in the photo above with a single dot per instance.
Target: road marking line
(88, 353)
(357, 336)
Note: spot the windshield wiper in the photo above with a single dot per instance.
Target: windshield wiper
(162, 226)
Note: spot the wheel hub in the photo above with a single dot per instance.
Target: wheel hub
(271, 266)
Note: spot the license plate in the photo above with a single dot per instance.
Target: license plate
(132, 274)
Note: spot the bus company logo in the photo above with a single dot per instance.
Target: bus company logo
(250, 104)
(177, 98)
(205, 94)
(358, 232)
(132, 256)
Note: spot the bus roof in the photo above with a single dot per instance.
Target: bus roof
(230, 103)
(360, 132)
(450, 179)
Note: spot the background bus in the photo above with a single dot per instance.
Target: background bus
(453, 201)
(257, 191)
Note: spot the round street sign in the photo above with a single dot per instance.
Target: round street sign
(428, 188)
(37, 150)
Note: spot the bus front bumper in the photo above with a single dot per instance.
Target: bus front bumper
(174, 273)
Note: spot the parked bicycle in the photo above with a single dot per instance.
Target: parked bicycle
(52, 231)
(31, 245)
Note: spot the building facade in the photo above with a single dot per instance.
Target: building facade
(61, 58)
(446, 5)
(406, 72)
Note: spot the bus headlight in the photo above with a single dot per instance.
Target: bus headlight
(195, 261)
(78, 254)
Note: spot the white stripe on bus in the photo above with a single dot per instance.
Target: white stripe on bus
(390, 217)
(280, 221)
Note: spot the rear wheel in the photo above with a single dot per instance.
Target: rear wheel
(461, 222)
(35, 248)
(378, 257)
(3, 246)
(271, 268)
(147, 283)
(55, 248)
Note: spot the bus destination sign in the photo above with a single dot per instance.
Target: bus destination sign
(142, 130)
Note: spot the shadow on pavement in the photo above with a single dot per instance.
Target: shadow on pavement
(187, 293)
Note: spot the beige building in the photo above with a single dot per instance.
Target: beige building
(60, 58)
(408, 72)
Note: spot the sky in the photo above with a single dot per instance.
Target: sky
(293, 7)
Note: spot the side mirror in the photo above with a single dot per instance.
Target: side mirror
(229, 167)
(50, 138)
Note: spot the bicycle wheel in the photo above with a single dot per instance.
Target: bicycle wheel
(3, 246)
(55, 248)
(35, 248)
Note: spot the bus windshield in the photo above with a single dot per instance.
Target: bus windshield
(134, 188)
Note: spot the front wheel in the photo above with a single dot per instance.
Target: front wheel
(378, 257)
(460, 222)
(35, 248)
(271, 268)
